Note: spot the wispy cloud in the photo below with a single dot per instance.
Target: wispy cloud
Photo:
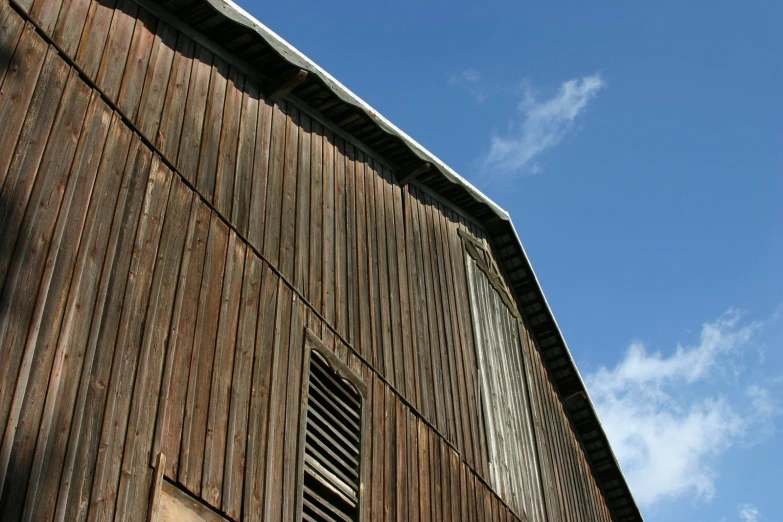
(470, 80)
(539, 124)
(749, 513)
(669, 417)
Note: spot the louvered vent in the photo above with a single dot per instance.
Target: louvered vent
(330, 489)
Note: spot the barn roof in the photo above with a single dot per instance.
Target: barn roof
(283, 70)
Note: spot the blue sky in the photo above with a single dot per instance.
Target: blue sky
(639, 150)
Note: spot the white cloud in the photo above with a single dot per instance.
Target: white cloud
(470, 80)
(669, 417)
(749, 513)
(540, 124)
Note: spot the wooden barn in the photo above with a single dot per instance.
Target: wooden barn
(231, 290)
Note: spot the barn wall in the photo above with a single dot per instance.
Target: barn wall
(169, 235)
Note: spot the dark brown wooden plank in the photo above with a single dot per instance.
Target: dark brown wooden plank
(222, 373)
(197, 402)
(288, 201)
(390, 455)
(436, 473)
(273, 495)
(229, 142)
(425, 492)
(274, 184)
(413, 466)
(236, 441)
(293, 409)
(401, 462)
(327, 226)
(362, 263)
(136, 66)
(107, 63)
(129, 336)
(136, 475)
(17, 91)
(315, 277)
(195, 107)
(156, 81)
(243, 177)
(340, 240)
(171, 410)
(258, 420)
(378, 464)
(395, 311)
(209, 151)
(350, 244)
(376, 340)
(301, 279)
(25, 268)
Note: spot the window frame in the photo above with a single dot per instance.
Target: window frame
(313, 343)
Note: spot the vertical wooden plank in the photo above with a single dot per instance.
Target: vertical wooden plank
(241, 388)
(136, 66)
(293, 408)
(350, 244)
(315, 277)
(156, 81)
(193, 121)
(210, 140)
(340, 240)
(373, 285)
(274, 183)
(390, 455)
(136, 476)
(107, 63)
(17, 91)
(303, 236)
(241, 203)
(197, 400)
(222, 373)
(413, 466)
(362, 261)
(273, 494)
(94, 36)
(384, 292)
(288, 201)
(70, 22)
(258, 420)
(229, 143)
(107, 471)
(368, 435)
(25, 267)
(168, 430)
(258, 189)
(436, 474)
(378, 464)
(327, 226)
(425, 493)
(401, 462)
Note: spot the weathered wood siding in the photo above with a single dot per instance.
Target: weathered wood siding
(167, 236)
